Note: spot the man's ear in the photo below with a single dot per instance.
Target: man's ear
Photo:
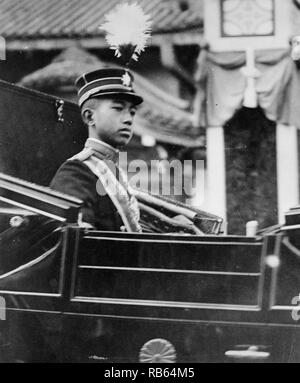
(88, 116)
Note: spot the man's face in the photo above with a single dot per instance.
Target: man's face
(112, 121)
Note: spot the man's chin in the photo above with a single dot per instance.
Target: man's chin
(122, 142)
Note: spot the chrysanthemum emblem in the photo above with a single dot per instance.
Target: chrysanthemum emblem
(126, 80)
(157, 351)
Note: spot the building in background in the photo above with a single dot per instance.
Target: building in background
(52, 43)
(164, 124)
(234, 80)
(252, 85)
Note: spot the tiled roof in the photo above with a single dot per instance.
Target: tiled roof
(38, 19)
(162, 115)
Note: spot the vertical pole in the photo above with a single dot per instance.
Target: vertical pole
(251, 74)
(287, 169)
(216, 179)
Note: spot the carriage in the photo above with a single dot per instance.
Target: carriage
(186, 293)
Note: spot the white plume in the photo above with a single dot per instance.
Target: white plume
(128, 29)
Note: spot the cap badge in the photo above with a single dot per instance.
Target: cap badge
(126, 80)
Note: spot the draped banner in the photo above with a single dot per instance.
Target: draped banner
(278, 86)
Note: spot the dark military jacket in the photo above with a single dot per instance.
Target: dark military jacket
(76, 178)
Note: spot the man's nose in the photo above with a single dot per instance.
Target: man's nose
(128, 118)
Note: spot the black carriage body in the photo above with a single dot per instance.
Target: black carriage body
(85, 296)
(111, 297)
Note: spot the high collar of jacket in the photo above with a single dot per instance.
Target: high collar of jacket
(102, 150)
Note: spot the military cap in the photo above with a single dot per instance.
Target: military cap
(107, 82)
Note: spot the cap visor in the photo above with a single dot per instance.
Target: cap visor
(133, 97)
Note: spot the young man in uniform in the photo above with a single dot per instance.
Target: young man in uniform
(108, 106)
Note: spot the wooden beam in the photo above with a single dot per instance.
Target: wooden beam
(53, 44)
(180, 38)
